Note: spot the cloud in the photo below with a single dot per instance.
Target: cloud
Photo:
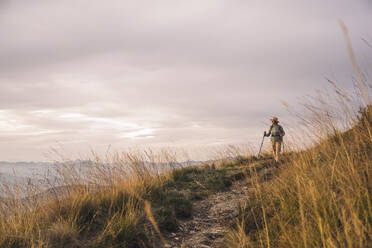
(192, 72)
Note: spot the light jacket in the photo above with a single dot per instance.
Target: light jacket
(277, 132)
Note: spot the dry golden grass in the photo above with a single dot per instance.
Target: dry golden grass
(99, 205)
(321, 198)
(126, 200)
(322, 195)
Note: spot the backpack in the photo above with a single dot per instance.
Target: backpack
(277, 130)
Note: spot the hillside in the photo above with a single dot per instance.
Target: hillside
(319, 197)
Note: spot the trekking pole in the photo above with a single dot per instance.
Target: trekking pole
(258, 155)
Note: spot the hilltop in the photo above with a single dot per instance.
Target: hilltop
(319, 197)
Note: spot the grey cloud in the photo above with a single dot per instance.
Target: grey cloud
(193, 71)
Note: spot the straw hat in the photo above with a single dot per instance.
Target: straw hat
(274, 119)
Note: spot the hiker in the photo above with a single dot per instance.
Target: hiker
(277, 132)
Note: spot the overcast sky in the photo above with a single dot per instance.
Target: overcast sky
(85, 74)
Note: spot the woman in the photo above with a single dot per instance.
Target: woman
(277, 132)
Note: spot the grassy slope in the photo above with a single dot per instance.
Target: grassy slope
(321, 199)
(115, 216)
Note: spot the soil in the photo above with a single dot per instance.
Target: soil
(211, 218)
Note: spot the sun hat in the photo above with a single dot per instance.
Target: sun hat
(274, 119)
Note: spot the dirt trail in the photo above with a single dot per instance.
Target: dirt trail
(210, 219)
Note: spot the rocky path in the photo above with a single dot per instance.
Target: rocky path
(210, 219)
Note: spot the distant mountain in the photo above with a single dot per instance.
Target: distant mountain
(20, 174)
(24, 169)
